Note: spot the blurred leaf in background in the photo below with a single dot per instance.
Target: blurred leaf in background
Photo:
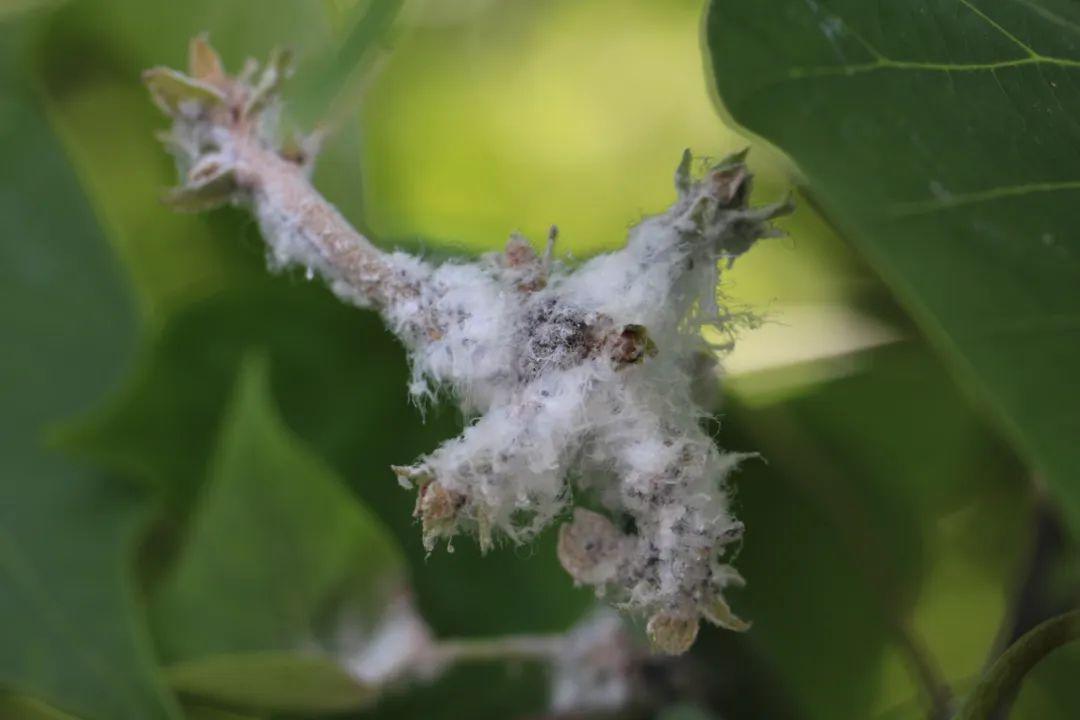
(283, 573)
(69, 617)
(868, 527)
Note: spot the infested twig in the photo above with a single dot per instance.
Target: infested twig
(573, 375)
(594, 666)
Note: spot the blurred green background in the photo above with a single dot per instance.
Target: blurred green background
(196, 454)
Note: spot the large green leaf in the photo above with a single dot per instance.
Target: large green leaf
(940, 135)
(283, 681)
(282, 572)
(340, 380)
(70, 627)
(861, 525)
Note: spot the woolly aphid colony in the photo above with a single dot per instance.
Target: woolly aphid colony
(578, 379)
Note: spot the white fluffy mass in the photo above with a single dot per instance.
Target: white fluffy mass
(580, 383)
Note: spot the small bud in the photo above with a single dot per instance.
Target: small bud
(683, 180)
(590, 548)
(632, 344)
(410, 475)
(177, 94)
(529, 269)
(672, 633)
(549, 248)
(483, 531)
(277, 70)
(731, 185)
(210, 183)
(518, 251)
(437, 509)
(719, 613)
(735, 158)
(204, 64)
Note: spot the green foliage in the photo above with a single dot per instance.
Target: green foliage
(279, 557)
(193, 513)
(846, 515)
(68, 614)
(291, 682)
(323, 356)
(25, 708)
(938, 135)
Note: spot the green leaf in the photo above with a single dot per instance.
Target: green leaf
(868, 505)
(280, 558)
(172, 90)
(337, 375)
(684, 712)
(207, 712)
(940, 136)
(24, 708)
(277, 681)
(72, 630)
(340, 381)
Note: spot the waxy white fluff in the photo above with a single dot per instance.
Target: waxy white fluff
(578, 382)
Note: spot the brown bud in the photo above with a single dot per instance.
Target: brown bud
(731, 185)
(672, 633)
(519, 252)
(631, 344)
(590, 548)
(203, 62)
(520, 257)
(437, 509)
(718, 612)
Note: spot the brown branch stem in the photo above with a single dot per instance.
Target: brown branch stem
(543, 648)
(286, 203)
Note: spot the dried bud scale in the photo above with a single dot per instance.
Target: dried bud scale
(570, 372)
(590, 549)
(672, 633)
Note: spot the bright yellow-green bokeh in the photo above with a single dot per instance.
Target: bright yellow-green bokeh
(515, 116)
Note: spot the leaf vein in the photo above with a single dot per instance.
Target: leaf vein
(883, 63)
(922, 207)
(997, 26)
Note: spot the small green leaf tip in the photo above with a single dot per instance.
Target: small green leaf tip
(732, 160)
(683, 179)
(278, 69)
(177, 94)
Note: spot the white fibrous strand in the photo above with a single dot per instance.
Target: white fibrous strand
(578, 380)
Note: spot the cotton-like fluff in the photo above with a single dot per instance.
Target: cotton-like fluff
(592, 389)
(578, 381)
